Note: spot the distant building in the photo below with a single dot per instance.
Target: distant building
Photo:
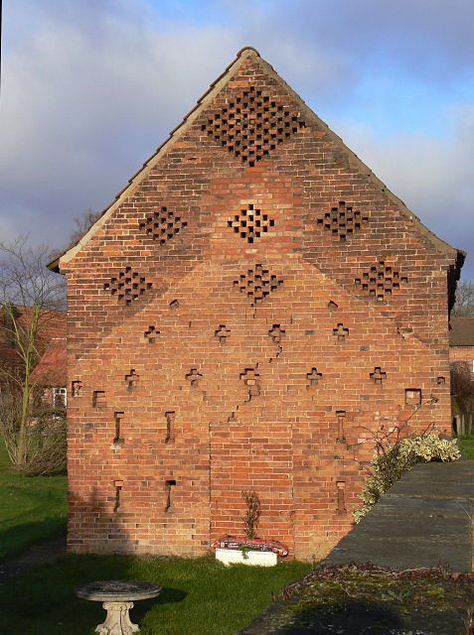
(50, 372)
(461, 341)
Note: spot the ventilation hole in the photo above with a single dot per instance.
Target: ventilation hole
(132, 285)
(257, 284)
(245, 117)
(412, 396)
(381, 281)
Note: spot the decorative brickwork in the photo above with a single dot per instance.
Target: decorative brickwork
(378, 375)
(127, 286)
(251, 223)
(313, 377)
(252, 125)
(342, 221)
(247, 365)
(163, 225)
(258, 283)
(381, 280)
(340, 332)
(222, 333)
(151, 334)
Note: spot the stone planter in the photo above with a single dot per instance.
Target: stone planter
(250, 557)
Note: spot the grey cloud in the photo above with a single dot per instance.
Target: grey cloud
(91, 88)
(433, 176)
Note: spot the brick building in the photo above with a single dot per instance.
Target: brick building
(49, 375)
(255, 311)
(461, 341)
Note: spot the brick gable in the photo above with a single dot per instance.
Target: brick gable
(260, 309)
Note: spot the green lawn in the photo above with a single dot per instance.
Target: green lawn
(200, 596)
(467, 446)
(32, 508)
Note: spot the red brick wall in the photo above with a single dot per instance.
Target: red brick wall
(279, 434)
(462, 354)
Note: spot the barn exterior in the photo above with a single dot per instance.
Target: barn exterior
(256, 311)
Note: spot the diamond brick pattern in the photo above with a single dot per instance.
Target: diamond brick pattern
(258, 283)
(381, 281)
(252, 125)
(128, 286)
(163, 225)
(250, 223)
(342, 221)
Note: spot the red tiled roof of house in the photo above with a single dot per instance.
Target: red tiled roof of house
(51, 368)
(462, 331)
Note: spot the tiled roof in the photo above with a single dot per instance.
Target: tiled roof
(51, 368)
(462, 331)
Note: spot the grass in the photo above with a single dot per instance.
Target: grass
(200, 596)
(466, 444)
(32, 508)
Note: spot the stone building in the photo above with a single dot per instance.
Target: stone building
(255, 311)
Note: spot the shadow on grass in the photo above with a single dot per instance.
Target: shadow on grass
(43, 601)
(15, 540)
(350, 618)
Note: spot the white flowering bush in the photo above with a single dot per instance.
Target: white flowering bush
(388, 467)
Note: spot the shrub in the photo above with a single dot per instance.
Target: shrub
(37, 446)
(389, 466)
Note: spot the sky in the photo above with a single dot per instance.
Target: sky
(90, 89)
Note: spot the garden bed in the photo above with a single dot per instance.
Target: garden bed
(369, 600)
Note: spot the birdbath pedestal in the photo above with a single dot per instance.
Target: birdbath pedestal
(117, 597)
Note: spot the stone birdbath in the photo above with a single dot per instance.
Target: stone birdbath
(118, 597)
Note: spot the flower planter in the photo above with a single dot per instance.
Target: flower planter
(250, 557)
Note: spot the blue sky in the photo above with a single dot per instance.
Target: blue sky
(91, 88)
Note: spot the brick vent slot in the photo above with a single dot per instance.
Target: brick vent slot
(169, 499)
(170, 419)
(342, 221)
(98, 399)
(340, 332)
(118, 440)
(127, 286)
(341, 415)
(118, 489)
(412, 396)
(381, 280)
(194, 376)
(251, 379)
(151, 334)
(341, 497)
(257, 283)
(276, 333)
(131, 379)
(76, 388)
(378, 375)
(252, 125)
(313, 377)
(163, 225)
(250, 223)
(222, 333)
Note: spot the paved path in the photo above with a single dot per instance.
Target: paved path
(37, 555)
(424, 520)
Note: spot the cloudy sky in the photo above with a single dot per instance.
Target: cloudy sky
(90, 88)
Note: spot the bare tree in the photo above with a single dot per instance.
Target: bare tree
(464, 305)
(82, 224)
(30, 296)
